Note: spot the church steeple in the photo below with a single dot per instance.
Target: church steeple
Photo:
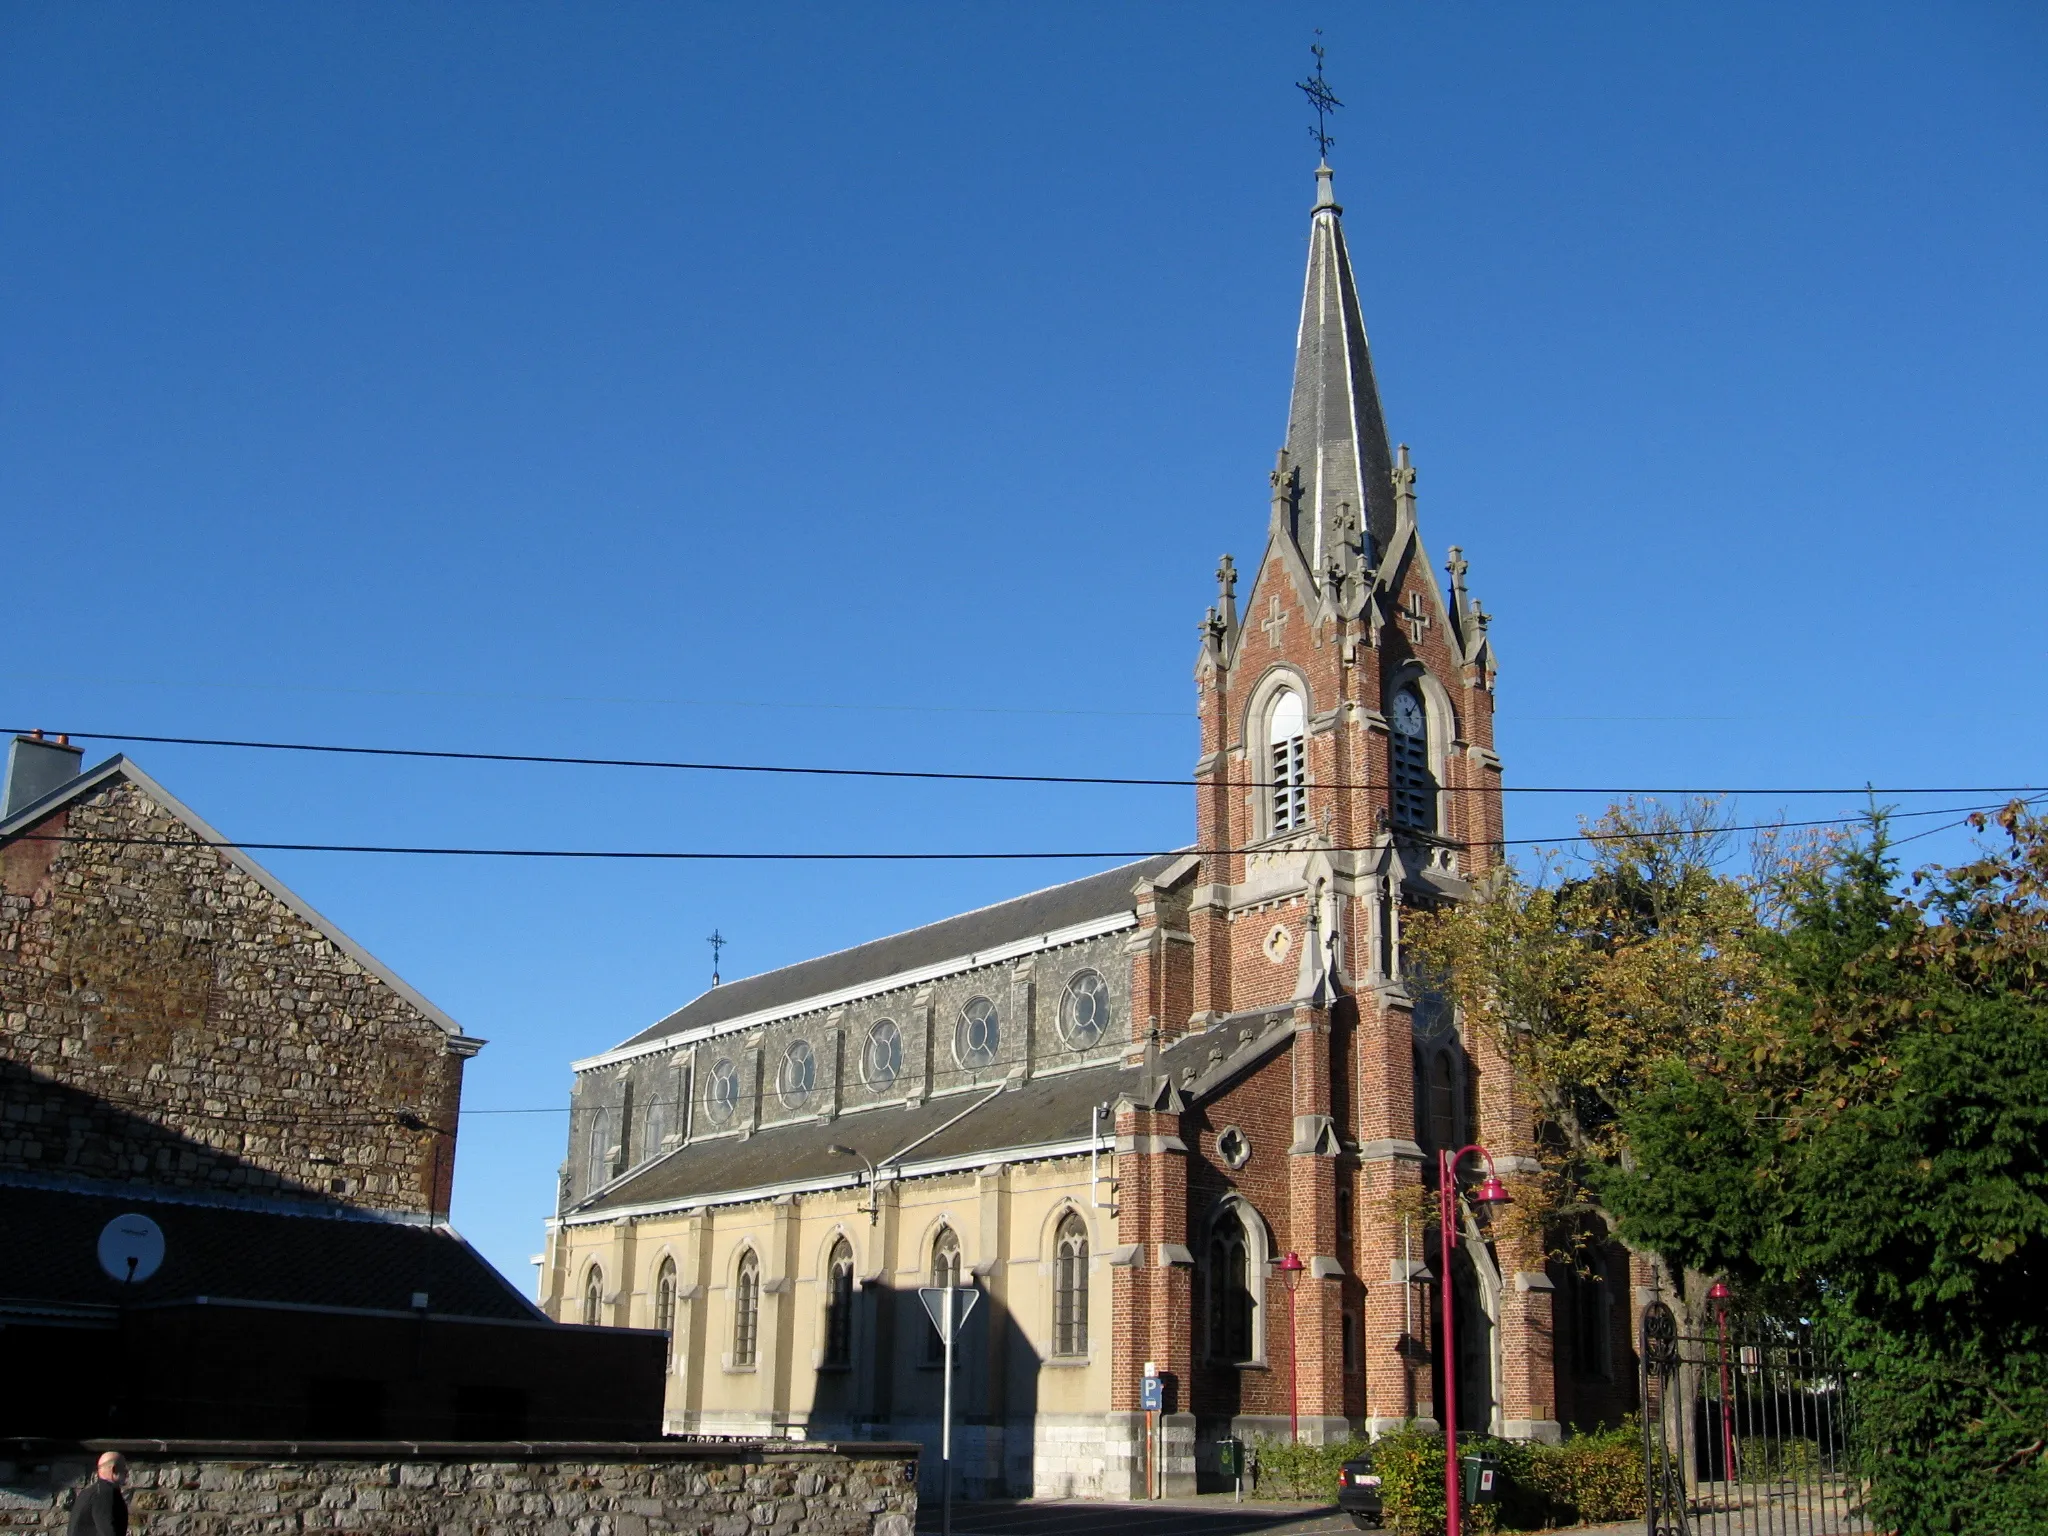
(1336, 439)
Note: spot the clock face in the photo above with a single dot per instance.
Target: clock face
(1408, 714)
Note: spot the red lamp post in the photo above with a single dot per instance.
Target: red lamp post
(1489, 1192)
(1718, 1297)
(1291, 1266)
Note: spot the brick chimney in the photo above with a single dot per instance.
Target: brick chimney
(35, 766)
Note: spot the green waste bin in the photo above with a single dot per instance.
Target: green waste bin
(1229, 1459)
(1482, 1477)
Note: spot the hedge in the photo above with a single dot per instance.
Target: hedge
(1590, 1477)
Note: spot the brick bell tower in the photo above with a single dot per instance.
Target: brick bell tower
(1348, 776)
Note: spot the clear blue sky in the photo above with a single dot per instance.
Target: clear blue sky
(878, 385)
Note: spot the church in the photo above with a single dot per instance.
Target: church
(1177, 1118)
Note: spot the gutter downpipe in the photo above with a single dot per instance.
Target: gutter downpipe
(905, 1151)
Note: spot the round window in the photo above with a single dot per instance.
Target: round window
(881, 1059)
(1234, 1147)
(799, 1074)
(722, 1091)
(1084, 1009)
(978, 1035)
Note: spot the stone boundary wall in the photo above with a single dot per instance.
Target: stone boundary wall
(652, 1488)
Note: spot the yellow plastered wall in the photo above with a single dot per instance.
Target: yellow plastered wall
(1005, 1219)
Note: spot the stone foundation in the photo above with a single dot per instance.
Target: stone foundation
(220, 1488)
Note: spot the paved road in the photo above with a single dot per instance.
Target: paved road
(1213, 1515)
(1208, 1516)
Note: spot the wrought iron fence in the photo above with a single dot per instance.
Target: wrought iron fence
(1747, 1431)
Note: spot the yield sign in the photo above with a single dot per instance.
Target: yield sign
(935, 1299)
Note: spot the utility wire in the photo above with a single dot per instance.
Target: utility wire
(928, 857)
(980, 778)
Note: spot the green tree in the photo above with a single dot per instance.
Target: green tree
(1874, 1148)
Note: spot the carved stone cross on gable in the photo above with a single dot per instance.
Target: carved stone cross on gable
(1274, 623)
(1414, 616)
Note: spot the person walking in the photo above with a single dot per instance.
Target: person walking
(99, 1509)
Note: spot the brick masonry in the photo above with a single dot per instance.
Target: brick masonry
(664, 1488)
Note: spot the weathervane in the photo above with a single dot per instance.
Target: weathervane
(717, 941)
(1321, 97)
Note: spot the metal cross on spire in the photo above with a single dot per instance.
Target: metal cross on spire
(1321, 97)
(717, 941)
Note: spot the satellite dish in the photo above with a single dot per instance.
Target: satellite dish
(131, 1247)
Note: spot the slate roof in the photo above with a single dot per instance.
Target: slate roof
(49, 1241)
(1008, 922)
(1336, 436)
(1041, 1111)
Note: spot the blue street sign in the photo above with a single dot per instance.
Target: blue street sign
(1152, 1395)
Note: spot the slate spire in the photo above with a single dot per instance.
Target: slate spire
(1336, 450)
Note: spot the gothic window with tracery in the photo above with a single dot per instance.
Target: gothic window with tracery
(1414, 784)
(839, 1305)
(746, 1309)
(979, 1034)
(945, 1271)
(1287, 760)
(881, 1059)
(665, 1306)
(722, 1093)
(1084, 1009)
(593, 1296)
(798, 1074)
(1230, 1291)
(1070, 1287)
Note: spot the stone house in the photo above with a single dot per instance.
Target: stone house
(196, 1063)
(1117, 1105)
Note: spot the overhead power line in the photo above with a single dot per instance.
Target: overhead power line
(557, 760)
(744, 856)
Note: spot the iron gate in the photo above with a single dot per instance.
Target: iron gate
(1746, 1431)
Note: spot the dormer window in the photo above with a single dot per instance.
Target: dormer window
(1287, 761)
(1414, 784)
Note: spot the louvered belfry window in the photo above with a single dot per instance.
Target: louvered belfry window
(1414, 785)
(1287, 763)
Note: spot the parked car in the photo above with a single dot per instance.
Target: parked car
(1358, 1492)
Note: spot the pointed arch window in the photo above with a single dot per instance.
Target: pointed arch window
(595, 1157)
(1414, 783)
(1230, 1291)
(839, 1305)
(746, 1309)
(593, 1296)
(665, 1307)
(945, 1271)
(656, 1121)
(1070, 1287)
(1287, 760)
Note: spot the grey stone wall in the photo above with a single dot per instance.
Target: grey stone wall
(167, 1019)
(638, 1489)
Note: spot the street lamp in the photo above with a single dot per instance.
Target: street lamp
(1490, 1192)
(874, 1184)
(1718, 1297)
(1291, 1266)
